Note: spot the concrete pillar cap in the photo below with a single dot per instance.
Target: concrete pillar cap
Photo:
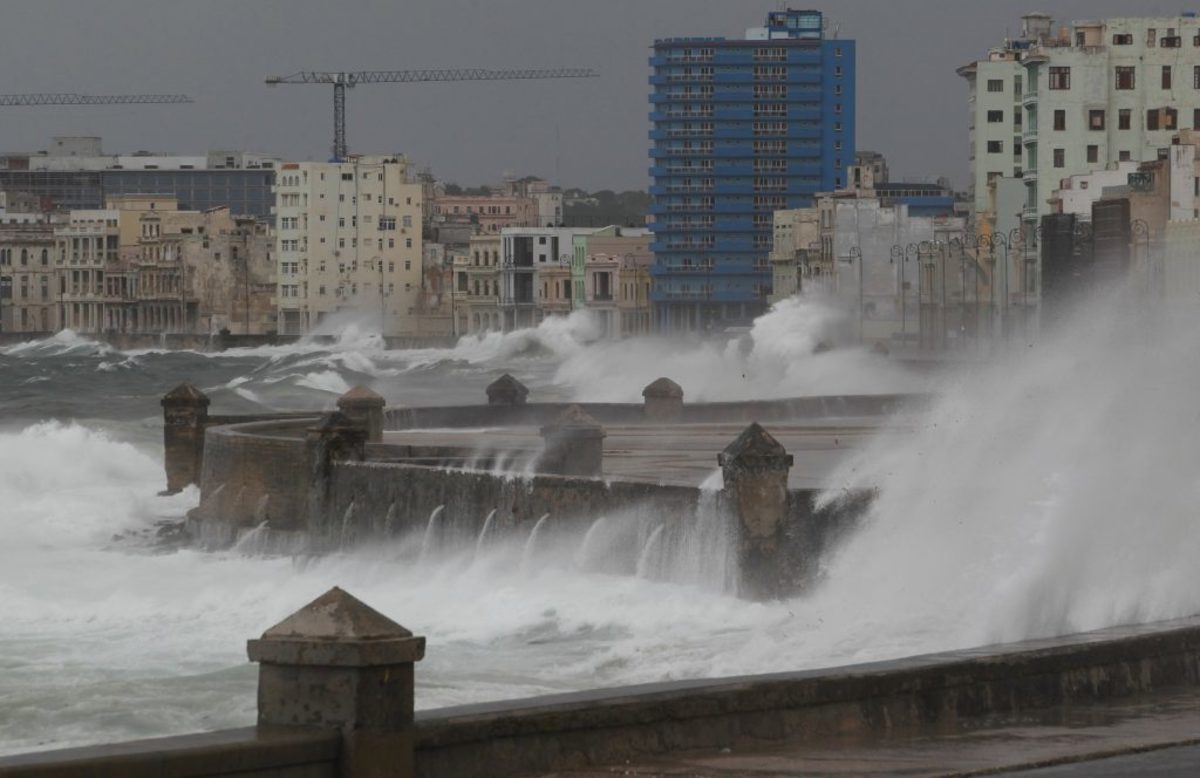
(185, 394)
(337, 630)
(663, 387)
(507, 390)
(574, 419)
(754, 447)
(361, 395)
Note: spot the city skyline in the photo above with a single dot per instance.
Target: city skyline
(589, 133)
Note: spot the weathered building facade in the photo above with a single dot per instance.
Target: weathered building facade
(349, 242)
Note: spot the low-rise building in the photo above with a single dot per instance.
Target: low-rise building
(477, 286)
(526, 252)
(28, 282)
(616, 279)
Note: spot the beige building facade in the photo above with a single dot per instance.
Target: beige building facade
(28, 282)
(349, 242)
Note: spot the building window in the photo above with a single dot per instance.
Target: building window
(1093, 154)
(1162, 119)
(1151, 37)
(1123, 40)
(837, 53)
(1060, 77)
(1125, 77)
(1196, 77)
(1124, 119)
(995, 117)
(1060, 120)
(995, 146)
(1166, 76)
(995, 85)
(1096, 119)
(1060, 158)
(1196, 118)
(1124, 156)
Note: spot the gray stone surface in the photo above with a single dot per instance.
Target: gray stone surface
(185, 416)
(339, 664)
(663, 400)
(507, 391)
(573, 444)
(365, 408)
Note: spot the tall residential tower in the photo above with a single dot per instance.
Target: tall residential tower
(741, 129)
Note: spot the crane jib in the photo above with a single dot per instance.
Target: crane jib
(342, 80)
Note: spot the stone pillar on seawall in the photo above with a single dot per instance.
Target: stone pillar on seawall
(365, 408)
(573, 444)
(336, 438)
(755, 468)
(338, 664)
(185, 417)
(663, 400)
(507, 391)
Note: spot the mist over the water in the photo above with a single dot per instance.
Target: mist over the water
(1047, 493)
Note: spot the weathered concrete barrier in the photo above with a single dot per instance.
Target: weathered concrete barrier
(336, 698)
(327, 482)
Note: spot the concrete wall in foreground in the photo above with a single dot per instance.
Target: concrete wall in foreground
(919, 696)
(252, 752)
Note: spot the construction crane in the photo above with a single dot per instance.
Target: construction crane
(342, 81)
(67, 98)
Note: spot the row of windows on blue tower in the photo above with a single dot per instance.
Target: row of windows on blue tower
(740, 129)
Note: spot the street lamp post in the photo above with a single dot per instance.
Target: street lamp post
(629, 263)
(382, 303)
(856, 253)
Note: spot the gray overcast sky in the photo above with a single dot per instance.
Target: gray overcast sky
(589, 133)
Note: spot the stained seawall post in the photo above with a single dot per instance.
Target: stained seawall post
(185, 417)
(755, 468)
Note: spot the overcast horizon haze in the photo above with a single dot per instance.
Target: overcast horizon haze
(590, 133)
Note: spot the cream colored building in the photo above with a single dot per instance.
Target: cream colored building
(87, 246)
(348, 242)
(796, 246)
(477, 286)
(28, 284)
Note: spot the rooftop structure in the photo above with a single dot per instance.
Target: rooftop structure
(75, 173)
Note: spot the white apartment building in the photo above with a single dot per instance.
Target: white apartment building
(1068, 101)
(348, 241)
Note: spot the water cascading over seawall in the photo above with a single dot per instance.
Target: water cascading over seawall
(337, 483)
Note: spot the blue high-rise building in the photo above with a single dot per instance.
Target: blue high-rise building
(741, 129)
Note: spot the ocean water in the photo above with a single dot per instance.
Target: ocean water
(1050, 492)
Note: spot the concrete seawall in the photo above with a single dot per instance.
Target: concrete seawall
(924, 695)
(318, 483)
(920, 696)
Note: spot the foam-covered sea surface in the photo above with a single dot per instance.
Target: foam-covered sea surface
(1046, 493)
